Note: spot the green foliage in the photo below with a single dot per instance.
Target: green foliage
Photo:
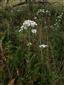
(30, 64)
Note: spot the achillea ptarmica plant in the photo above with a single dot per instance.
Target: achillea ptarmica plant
(43, 12)
(27, 24)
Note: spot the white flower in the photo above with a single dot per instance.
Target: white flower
(21, 29)
(35, 17)
(40, 11)
(29, 23)
(34, 31)
(56, 24)
(42, 46)
(43, 11)
(62, 13)
(33, 24)
(29, 44)
(56, 20)
(60, 16)
(47, 11)
(26, 23)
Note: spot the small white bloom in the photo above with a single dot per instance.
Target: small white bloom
(34, 31)
(56, 20)
(47, 11)
(28, 23)
(21, 30)
(42, 46)
(40, 11)
(60, 16)
(62, 13)
(35, 17)
(22, 27)
(33, 24)
(29, 44)
(25, 27)
(43, 10)
(56, 24)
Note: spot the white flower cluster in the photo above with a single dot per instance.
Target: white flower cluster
(58, 20)
(27, 24)
(43, 11)
(42, 46)
(56, 25)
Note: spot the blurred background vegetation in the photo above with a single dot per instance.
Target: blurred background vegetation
(15, 69)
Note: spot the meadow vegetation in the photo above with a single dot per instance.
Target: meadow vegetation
(32, 45)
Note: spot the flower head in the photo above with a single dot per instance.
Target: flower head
(27, 24)
(33, 24)
(47, 11)
(40, 11)
(42, 46)
(23, 27)
(35, 17)
(34, 31)
(43, 11)
(29, 44)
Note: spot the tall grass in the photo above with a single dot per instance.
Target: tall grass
(32, 58)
